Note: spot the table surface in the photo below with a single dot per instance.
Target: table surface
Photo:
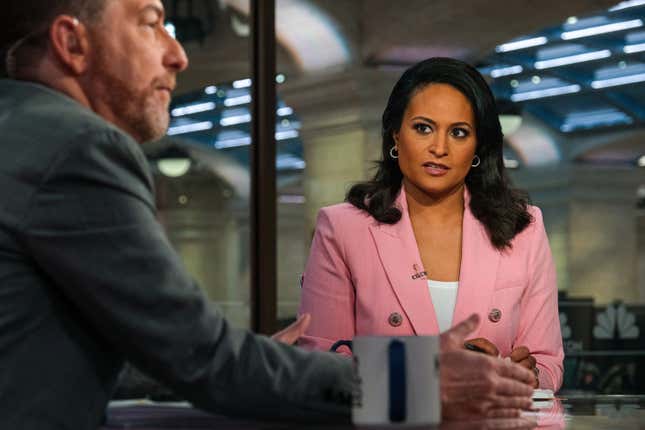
(574, 412)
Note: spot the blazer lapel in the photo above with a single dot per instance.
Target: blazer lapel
(399, 255)
(478, 272)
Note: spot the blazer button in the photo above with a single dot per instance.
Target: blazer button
(395, 319)
(495, 315)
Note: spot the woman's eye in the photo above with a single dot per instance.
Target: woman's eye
(422, 128)
(460, 132)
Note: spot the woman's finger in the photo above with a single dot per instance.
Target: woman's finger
(485, 344)
(533, 361)
(520, 353)
(526, 363)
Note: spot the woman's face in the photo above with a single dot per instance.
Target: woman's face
(436, 141)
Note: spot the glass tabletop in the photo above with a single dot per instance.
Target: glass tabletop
(572, 412)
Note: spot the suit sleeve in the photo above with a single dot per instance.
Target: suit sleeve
(327, 289)
(539, 328)
(91, 229)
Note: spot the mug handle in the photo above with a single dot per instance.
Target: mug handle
(339, 343)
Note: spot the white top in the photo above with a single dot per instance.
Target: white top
(444, 297)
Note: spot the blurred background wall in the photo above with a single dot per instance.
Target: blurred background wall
(569, 78)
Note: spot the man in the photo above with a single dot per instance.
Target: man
(88, 276)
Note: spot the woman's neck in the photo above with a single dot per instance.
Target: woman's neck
(446, 208)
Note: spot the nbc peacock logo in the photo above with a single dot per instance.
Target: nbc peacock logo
(616, 322)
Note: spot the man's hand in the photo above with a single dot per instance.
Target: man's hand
(292, 333)
(475, 385)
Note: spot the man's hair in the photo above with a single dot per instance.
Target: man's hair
(24, 26)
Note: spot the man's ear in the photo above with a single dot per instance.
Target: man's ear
(70, 44)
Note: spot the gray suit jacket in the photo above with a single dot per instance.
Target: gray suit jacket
(88, 279)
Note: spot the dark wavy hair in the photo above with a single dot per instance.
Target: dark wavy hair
(494, 202)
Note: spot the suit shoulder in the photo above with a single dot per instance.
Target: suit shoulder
(55, 118)
(537, 220)
(345, 213)
(535, 230)
(535, 212)
(343, 221)
(78, 132)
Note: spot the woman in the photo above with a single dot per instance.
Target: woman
(438, 233)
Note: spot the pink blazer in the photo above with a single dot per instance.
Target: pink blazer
(360, 280)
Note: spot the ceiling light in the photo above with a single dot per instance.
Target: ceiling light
(286, 134)
(572, 20)
(236, 119)
(626, 4)
(242, 83)
(636, 47)
(233, 143)
(284, 111)
(601, 29)
(572, 59)
(211, 89)
(289, 162)
(246, 140)
(170, 29)
(240, 100)
(550, 92)
(191, 109)
(521, 44)
(594, 118)
(511, 164)
(174, 167)
(280, 78)
(621, 80)
(641, 161)
(240, 27)
(505, 71)
(190, 128)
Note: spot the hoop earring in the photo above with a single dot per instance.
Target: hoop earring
(476, 161)
(392, 154)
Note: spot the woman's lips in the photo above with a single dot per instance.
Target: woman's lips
(435, 169)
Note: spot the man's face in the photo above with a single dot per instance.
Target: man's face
(132, 67)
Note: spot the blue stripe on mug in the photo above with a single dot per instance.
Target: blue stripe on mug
(396, 355)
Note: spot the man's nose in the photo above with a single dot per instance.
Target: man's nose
(175, 57)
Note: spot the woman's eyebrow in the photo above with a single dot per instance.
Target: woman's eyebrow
(431, 121)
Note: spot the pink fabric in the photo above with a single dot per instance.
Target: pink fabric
(359, 272)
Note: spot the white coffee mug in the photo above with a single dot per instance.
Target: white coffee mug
(398, 379)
